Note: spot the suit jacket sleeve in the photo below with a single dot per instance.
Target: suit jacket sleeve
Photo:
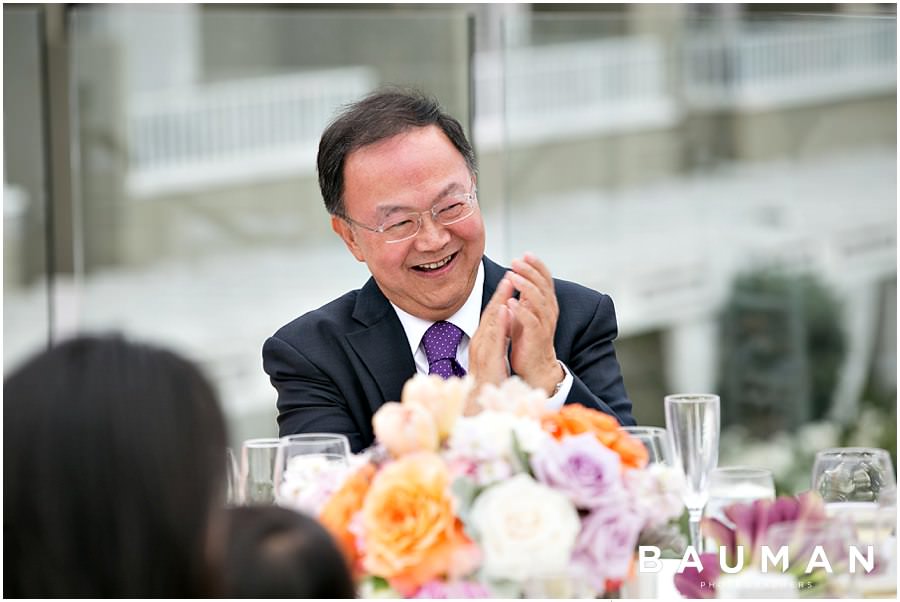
(308, 400)
(591, 358)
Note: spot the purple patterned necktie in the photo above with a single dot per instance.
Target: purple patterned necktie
(440, 343)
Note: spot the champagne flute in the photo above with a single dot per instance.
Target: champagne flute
(308, 467)
(692, 423)
(655, 440)
(256, 485)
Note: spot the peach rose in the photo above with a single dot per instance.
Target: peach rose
(338, 512)
(574, 419)
(405, 429)
(411, 532)
(444, 399)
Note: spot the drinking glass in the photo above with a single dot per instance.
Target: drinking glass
(858, 485)
(308, 467)
(692, 424)
(232, 478)
(655, 440)
(737, 484)
(256, 484)
(852, 474)
(852, 481)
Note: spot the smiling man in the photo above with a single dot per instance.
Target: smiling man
(399, 177)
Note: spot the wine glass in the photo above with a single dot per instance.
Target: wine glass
(692, 424)
(851, 481)
(655, 440)
(852, 475)
(308, 467)
(858, 484)
(256, 482)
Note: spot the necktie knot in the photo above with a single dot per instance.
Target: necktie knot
(441, 341)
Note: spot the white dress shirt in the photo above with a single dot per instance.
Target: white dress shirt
(466, 319)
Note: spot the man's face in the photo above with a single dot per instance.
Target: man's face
(410, 172)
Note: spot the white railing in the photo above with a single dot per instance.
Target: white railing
(790, 64)
(565, 90)
(269, 127)
(231, 130)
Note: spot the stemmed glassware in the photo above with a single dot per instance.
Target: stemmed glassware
(692, 424)
(655, 440)
(255, 482)
(853, 475)
(306, 465)
(858, 485)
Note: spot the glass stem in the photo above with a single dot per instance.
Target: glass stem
(694, 517)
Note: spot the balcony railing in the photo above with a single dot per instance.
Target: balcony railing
(230, 131)
(795, 64)
(269, 127)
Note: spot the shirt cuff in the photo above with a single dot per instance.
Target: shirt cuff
(557, 401)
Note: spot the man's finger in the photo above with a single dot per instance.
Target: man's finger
(527, 287)
(539, 265)
(505, 290)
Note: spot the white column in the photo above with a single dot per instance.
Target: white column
(690, 349)
(860, 321)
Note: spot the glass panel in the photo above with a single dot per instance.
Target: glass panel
(26, 321)
(197, 129)
(729, 177)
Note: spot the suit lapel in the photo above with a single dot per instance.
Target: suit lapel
(493, 273)
(381, 344)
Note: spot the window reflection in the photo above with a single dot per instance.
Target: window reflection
(667, 149)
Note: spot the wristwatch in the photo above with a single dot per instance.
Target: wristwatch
(560, 383)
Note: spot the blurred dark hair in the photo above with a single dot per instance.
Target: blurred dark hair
(113, 473)
(381, 115)
(274, 552)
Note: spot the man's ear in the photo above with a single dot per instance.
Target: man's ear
(346, 233)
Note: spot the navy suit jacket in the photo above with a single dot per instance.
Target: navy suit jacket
(333, 367)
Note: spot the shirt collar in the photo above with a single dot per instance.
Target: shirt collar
(466, 319)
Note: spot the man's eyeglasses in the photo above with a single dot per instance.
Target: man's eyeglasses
(449, 210)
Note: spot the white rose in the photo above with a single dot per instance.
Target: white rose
(514, 396)
(485, 443)
(524, 529)
(656, 492)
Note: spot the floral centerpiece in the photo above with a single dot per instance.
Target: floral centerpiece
(462, 506)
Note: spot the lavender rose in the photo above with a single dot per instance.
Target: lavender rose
(606, 544)
(582, 469)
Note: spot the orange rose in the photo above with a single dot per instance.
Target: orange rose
(338, 511)
(574, 419)
(633, 453)
(411, 532)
